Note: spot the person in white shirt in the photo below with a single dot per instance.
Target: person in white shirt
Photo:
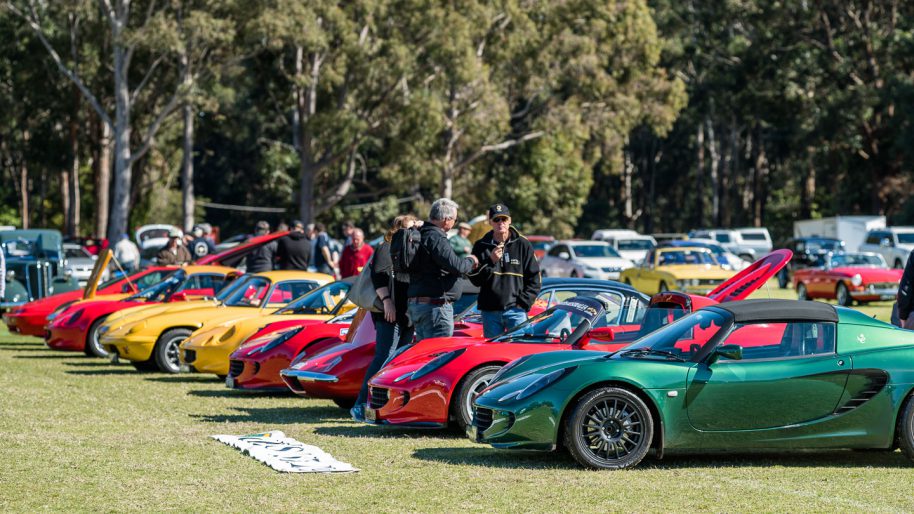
(127, 253)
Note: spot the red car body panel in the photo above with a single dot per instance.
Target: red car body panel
(823, 283)
(68, 331)
(251, 368)
(31, 319)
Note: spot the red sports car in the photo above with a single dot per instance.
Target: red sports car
(76, 327)
(256, 364)
(845, 277)
(31, 319)
(436, 380)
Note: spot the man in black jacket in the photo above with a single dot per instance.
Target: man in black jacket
(508, 276)
(437, 284)
(294, 249)
(261, 258)
(905, 299)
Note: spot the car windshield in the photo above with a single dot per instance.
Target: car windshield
(671, 257)
(906, 238)
(754, 236)
(159, 291)
(153, 233)
(77, 252)
(587, 251)
(722, 238)
(824, 244)
(683, 338)
(557, 324)
(250, 293)
(319, 301)
(857, 259)
(634, 244)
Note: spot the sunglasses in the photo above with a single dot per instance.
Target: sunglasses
(500, 219)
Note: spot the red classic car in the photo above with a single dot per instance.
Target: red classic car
(435, 380)
(76, 327)
(846, 277)
(31, 319)
(256, 364)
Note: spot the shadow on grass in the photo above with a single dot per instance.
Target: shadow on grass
(103, 372)
(492, 458)
(90, 363)
(273, 415)
(184, 379)
(22, 347)
(386, 432)
(235, 393)
(53, 356)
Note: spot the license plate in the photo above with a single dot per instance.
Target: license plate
(371, 415)
(230, 382)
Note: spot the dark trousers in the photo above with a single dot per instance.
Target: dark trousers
(387, 334)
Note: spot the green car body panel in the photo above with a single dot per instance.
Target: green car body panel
(846, 399)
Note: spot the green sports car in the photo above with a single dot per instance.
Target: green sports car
(744, 375)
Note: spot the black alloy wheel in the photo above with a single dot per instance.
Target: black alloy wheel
(609, 428)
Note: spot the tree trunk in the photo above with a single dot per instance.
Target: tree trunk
(64, 177)
(187, 162)
(713, 149)
(120, 210)
(305, 106)
(808, 189)
(627, 209)
(727, 171)
(102, 178)
(758, 185)
(700, 177)
(24, 183)
(73, 189)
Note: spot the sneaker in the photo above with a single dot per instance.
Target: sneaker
(358, 413)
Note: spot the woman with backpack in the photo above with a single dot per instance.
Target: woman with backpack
(392, 325)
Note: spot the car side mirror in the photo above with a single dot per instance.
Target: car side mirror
(734, 352)
(564, 256)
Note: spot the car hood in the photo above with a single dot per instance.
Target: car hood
(603, 262)
(428, 349)
(870, 274)
(700, 271)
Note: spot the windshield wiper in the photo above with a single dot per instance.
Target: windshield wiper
(651, 351)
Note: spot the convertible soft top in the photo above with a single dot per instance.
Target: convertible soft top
(779, 310)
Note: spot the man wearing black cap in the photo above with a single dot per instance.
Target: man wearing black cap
(294, 249)
(262, 257)
(508, 276)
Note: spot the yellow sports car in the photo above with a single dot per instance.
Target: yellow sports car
(207, 350)
(682, 268)
(151, 341)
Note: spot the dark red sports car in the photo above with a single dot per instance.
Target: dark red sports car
(846, 277)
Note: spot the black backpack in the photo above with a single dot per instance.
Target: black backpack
(404, 247)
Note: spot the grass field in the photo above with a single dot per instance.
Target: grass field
(82, 434)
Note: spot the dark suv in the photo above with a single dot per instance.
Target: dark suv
(807, 252)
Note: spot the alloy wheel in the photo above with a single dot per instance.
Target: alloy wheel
(613, 429)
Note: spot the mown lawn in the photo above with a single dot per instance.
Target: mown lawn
(82, 434)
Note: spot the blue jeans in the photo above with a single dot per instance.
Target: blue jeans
(389, 336)
(432, 320)
(496, 323)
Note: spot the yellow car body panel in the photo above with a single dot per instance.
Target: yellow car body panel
(213, 343)
(136, 339)
(652, 275)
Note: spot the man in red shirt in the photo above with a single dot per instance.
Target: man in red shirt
(355, 255)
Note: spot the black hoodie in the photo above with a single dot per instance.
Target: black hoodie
(294, 251)
(440, 269)
(512, 281)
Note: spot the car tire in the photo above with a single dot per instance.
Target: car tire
(662, 287)
(474, 382)
(93, 348)
(843, 295)
(898, 264)
(344, 403)
(905, 430)
(166, 349)
(802, 293)
(609, 428)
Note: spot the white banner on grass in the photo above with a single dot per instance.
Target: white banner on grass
(284, 453)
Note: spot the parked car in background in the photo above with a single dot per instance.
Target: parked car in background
(80, 263)
(726, 259)
(151, 239)
(893, 243)
(691, 269)
(756, 238)
(850, 229)
(35, 266)
(663, 237)
(541, 245)
(630, 244)
(732, 240)
(846, 277)
(587, 259)
(807, 251)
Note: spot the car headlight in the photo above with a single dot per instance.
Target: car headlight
(591, 268)
(336, 360)
(508, 367)
(857, 279)
(437, 362)
(537, 385)
(75, 317)
(52, 316)
(280, 339)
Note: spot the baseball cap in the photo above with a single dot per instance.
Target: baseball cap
(262, 226)
(175, 233)
(465, 225)
(298, 224)
(498, 210)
